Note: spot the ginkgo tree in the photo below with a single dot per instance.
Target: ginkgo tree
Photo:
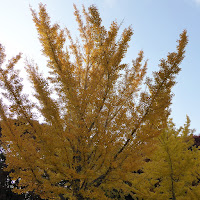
(173, 168)
(100, 126)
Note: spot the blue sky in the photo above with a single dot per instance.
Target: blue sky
(156, 23)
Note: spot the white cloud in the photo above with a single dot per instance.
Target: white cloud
(197, 1)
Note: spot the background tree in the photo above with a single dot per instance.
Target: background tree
(101, 125)
(173, 169)
(197, 140)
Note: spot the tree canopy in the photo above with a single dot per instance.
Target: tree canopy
(172, 170)
(100, 126)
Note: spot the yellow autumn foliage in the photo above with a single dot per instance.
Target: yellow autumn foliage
(102, 124)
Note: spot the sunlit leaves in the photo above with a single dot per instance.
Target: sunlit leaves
(101, 125)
